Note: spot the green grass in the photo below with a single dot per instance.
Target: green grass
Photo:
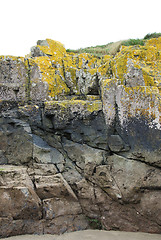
(132, 42)
(113, 47)
(152, 35)
(100, 50)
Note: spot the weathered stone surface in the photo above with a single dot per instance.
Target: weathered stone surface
(127, 217)
(11, 227)
(37, 89)
(42, 169)
(70, 223)
(53, 186)
(86, 126)
(71, 172)
(82, 154)
(139, 126)
(19, 203)
(55, 207)
(87, 82)
(43, 153)
(83, 135)
(134, 76)
(87, 198)
(13, 78)
(150, 201)
(132, 177)
(135, 118)
(16, 141)
(14, 176)
(116, 144)
(36, 52)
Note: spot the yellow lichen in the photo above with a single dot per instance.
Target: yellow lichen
(90, 106)
(60, 70)
(54, 48)
(53, 76)
(92, 97)
(104, 70)
(13, 58)
(147, 58)
(94, 106)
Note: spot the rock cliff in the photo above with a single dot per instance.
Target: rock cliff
(80, 140)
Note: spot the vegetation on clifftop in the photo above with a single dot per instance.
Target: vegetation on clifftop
(113, 47)
(52, 73)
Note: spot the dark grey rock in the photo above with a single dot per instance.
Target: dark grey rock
(115, 143)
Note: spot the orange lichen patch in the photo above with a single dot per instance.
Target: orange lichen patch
(70, 61)
(53, 76)
(147, 58)
(70, 68)
(82, 59)
(151, 54)
(141, 89)
(149, 80)
(92, 71)
(54, 48)
(92, 97)
(107, 83)
(106, 58)
(105, 69)
(156, 42)
(120, 65)
(90, 61)
(56, 61)
(93, 106)
(45, 49)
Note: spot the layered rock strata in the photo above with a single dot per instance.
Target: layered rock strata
(80, 140)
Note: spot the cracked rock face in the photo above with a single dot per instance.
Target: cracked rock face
(90, 156)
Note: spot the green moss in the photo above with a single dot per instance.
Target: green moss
(95, 223)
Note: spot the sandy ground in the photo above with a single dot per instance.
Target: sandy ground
(91, 235)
